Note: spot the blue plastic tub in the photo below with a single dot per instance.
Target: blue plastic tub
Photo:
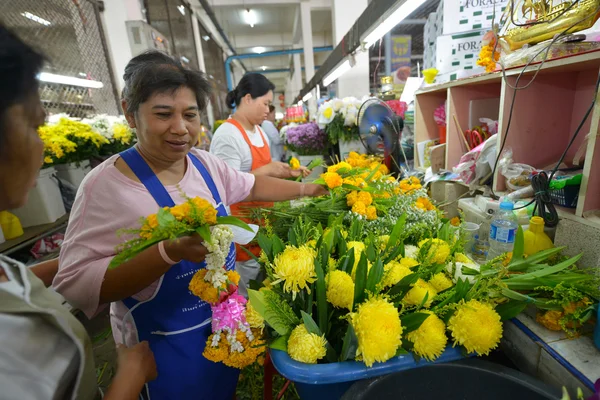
(597, 330)
(331, 381)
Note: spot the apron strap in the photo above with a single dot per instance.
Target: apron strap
(142, 170)
(210, 183)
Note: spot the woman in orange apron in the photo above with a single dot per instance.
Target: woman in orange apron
(242, 144)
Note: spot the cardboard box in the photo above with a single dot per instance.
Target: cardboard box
(458, 51)
(468, 15)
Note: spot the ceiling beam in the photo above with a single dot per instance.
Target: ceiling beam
(316, 4)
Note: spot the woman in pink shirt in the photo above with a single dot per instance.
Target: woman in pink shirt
(149, 294)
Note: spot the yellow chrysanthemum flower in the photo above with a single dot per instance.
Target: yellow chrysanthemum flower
(476, 326)
(312, 244)
(438, 252)
(359, 208)
(460, 257)
(341, 165)
(365, 198)
(409, 262)
(378, 330)
(394, 272)
(351, 198)
(371, 213)
(254, 319)
(416, 295)
(332, 179)
(359, 248)
(122, 133)
(340, 289)
(306, 347)
(48, 160)
(440, 282)
(294, 163)
(429, 340)
(295, 266)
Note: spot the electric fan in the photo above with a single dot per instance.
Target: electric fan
(380, 132)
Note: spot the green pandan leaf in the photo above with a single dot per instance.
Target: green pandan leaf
(280, 343)
(235, 222)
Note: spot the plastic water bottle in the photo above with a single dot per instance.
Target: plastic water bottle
(503, 231)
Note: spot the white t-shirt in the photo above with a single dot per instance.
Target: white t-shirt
(229, 145)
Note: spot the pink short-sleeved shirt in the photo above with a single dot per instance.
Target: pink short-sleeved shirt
(108, 201)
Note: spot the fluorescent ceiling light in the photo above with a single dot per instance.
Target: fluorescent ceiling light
(259, 49)
(250, 17)
(264, 67)
(83, 74)
(35, 18)
(181, 9)
(307, 97)
(69, 80)
(206, 38)
(407, 8)
(336, 73)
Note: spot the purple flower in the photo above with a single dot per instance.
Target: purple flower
(307, 139)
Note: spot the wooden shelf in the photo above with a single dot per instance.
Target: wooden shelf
(32, 235)
(545, 116)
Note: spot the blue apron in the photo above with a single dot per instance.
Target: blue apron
(174, 321)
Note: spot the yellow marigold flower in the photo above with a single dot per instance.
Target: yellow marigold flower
(341, 165)
(394, 272)
(332, 179)
(423, 203)
(430, 338)
(476, 326)
(233, 277)
(254, 319)
(294, 163)
(550, 319)
(440, 282)
(384, 169)
(460, 257)
(351, 198)
(251, 354)
(455, 221)
(416, 295)
(306, 347)
(371, 213)
(208, 212)
(365, 198)
(354, 154)
(359, 208)
(409, 262)
(295, 266)
(378, 330)
(438, 252)
(180, 211)
(203, 289)
(340, 289)
(152, 221)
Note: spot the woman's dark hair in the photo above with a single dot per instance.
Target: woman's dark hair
(254, 84)
(271, 108)
(155, 72)
(19, 67)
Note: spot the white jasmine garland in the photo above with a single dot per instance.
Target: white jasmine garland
(218, 249)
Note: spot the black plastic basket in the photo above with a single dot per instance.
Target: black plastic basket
(565, 197)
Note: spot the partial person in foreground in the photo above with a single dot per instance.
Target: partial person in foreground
(149, 295)
(45, 352)
(242, 144)
(275, 139)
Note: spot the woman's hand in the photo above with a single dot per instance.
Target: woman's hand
(312, 190)
(190, 248)
(137, 361)
(277, 169)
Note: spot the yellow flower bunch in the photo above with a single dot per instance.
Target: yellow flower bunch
(429, 340)
(294, 163)
(486, 59)
(70, 141)
(378, 330)
(341, 165)
(122, 134)
(416, 295)
(423, 203)
(438, 252)
(253, 350)
(55, 145)
(440, 282)
(358, 160)
(295, 267)
(332, 179)
(394, 272)
(340, 289)
(409, 185)
(476, 326)
(205, 290)
(306, 347)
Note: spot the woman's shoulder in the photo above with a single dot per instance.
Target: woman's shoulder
(107, 180)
